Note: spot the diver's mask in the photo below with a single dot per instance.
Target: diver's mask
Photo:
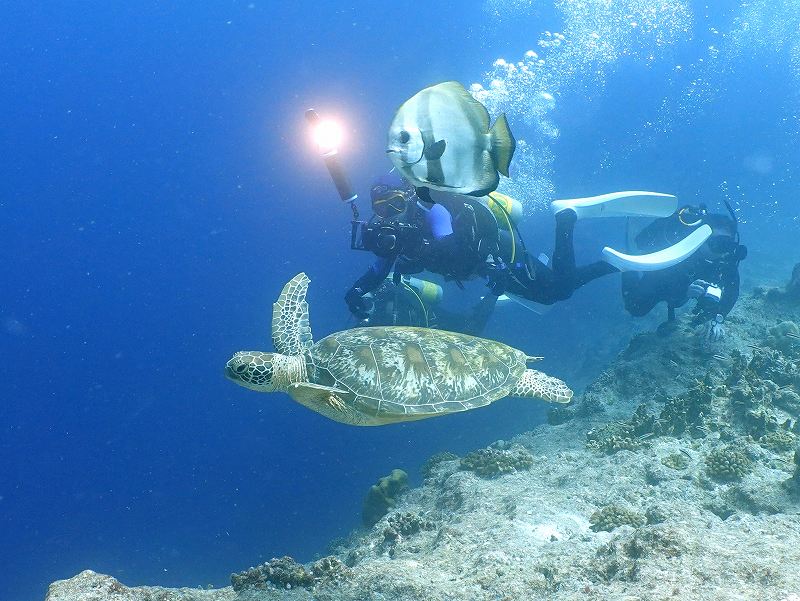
(726, 246)
(388, 202)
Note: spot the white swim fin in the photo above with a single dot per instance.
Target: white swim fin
(661, 259)
(530, 305)
(620, 204)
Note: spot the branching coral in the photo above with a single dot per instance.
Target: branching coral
(490, 463)
(613, 516)
(284, 572)
(728, 463)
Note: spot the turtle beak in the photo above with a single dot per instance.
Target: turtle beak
(229, 373)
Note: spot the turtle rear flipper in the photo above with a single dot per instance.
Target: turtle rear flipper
(291, 330)
(535, 384)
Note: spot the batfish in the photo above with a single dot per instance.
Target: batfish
(440, 139)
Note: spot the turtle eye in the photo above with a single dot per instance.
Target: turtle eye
(240, 369)
(404, 137)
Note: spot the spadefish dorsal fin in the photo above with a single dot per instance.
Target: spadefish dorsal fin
(291, 330)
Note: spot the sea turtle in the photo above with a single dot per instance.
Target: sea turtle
(382, 375)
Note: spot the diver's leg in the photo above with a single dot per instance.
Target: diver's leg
(564, 251)
(586, 273)
(535, 281)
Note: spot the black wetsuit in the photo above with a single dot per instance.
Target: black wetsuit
(643, 291)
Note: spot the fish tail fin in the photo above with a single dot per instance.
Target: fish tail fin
(503, 144)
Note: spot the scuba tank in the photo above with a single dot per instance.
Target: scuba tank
(506, 210)
(428, 292)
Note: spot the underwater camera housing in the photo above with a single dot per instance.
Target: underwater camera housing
(384, 237)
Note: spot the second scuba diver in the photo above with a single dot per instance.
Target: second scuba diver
(710, 275)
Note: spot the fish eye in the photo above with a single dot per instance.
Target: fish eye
(404, 137)
(240, 369)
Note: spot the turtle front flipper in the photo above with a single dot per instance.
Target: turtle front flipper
(291, 330)
(325, 400)
(536, 384)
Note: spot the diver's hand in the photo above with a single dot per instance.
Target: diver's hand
(498, 279)
(358, 306)
(698, 288)
(715, 331)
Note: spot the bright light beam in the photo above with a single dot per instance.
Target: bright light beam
(328, 135)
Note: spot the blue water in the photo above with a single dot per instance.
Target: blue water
(158, 187)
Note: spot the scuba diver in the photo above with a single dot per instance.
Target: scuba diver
(461, 237)
(710, 275)
(408, 236)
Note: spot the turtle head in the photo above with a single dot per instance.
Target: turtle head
(253, 370)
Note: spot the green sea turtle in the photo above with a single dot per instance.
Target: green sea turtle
(383, 375)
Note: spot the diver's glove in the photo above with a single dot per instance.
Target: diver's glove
(357, 304)
(716, 331)
(700, 289)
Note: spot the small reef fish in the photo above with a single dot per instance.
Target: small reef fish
(722, 358)
(440, 139)
(755, 347)
(792, 335)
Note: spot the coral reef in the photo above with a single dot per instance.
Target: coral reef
(727, 463)
(330, 569)
(622, 435)
(403, 525)
(791, 291)
(491, 462)
(793, 285)
(688, 413)
(793, 483)
(675, 461)
(589, 404)
(780, 441)
(784, 337)
(382, 497)
(434, 460)
(610, 517)
(657, 514)
(284, 572)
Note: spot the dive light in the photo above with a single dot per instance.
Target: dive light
(328, 136)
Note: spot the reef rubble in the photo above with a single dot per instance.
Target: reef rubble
(675, 475)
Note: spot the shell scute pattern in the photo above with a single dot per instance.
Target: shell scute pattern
(401, 370)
